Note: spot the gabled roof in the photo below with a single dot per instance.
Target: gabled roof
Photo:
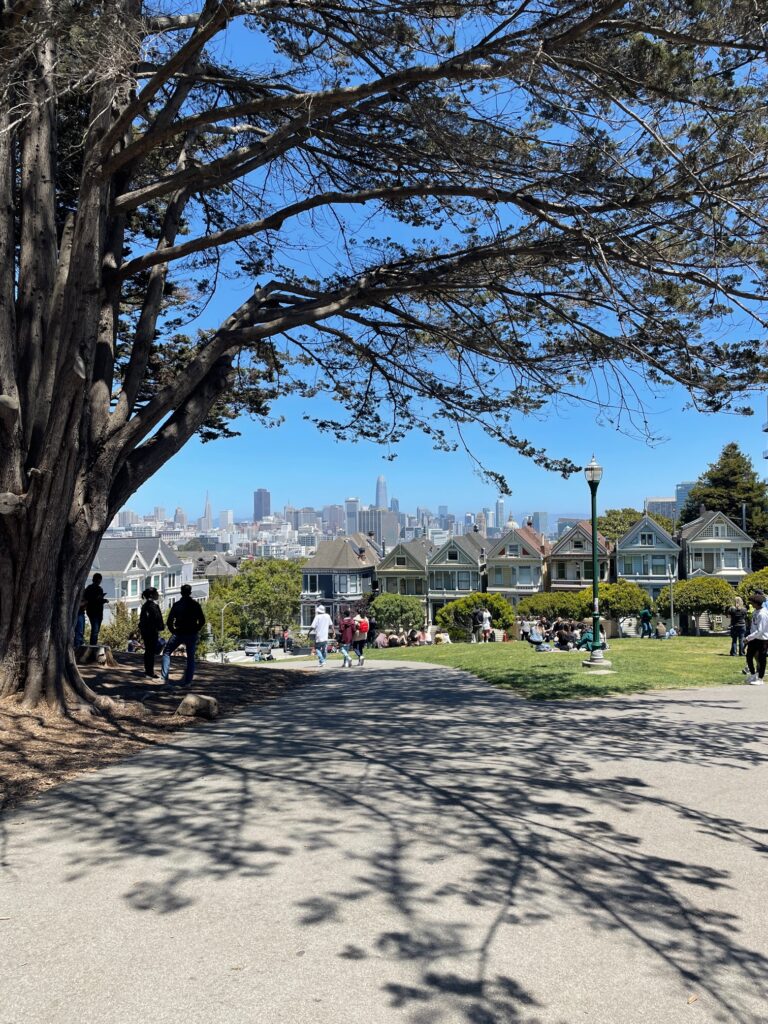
(416, 552)
(468, 544)
(644, 524)
(692, 530)
(584, 526)
(213, 563)
(344, 554)
(526, 537)
(115, 554)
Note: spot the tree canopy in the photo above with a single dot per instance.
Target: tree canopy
(727, 485)
(395, 611)
(263, 595)
(439, 215)
(456, 616)
(615, 522)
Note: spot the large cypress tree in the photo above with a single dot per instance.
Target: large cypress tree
(729, 483)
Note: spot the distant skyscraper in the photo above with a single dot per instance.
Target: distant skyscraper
(384, 525)
(381, 492)
(351, 509)
(681, 495)
(206, 520)
(159, 513)
(333, 518)
(226, 519)
(394, 505)
(499, 520)
(262, 504)
(180, 517)
(661, 507)
(540, 522)
(127, 517)
(481, 523)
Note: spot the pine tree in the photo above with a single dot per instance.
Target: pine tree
(728, 484)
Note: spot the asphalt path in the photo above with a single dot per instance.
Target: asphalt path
(404, 845)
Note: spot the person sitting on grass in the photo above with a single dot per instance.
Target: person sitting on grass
(661, 630)
(381, 641)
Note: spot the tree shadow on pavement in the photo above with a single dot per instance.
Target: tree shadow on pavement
(456, 820)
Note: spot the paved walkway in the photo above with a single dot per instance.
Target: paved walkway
(404, 846)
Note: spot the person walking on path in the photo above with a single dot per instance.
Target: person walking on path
(321, 627)
(185, 620)
(347, 630)
(362, 629)
(94, 599)
(645, 623)
(757, 640)
(738, 615)
(150, 626)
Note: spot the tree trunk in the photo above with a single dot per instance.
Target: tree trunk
(38, 601)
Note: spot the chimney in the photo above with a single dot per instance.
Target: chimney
(702, 509)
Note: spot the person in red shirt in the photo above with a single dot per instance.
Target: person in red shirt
(347, 628)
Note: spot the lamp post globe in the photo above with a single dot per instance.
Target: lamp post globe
(594, 474)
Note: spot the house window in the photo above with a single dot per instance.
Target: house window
(498, 575)
(449, 580)
(525, 574)
(134, 588)
(342, 584)
(400, 560)
(123, 588)
(658, 566)
(157, 581)
(560, 570)
(392, 585)
(311, 584)
(418, 586)
(513, 550)
(587, 570)
(453, 555)
(716, 530)
(646, 540)
(464, 580)
(731, 558)
(578, 545)
(307, 614)
(627, 570)
(436, 580)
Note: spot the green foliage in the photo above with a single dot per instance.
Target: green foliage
(703, 594)
(456, 617)
(264, 594)
(617, 600)
(119, 630)
(551, 605)
(393, 611)
(724, 487)
(663, 605)
(615, 522)
(755, 581)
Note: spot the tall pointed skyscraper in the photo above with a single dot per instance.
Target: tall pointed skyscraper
(381, 492)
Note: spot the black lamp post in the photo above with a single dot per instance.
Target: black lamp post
(594, 474)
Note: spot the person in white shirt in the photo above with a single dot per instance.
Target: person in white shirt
(757, 640)
(486, 625)
(321, 627)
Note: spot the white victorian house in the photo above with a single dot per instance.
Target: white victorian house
(570, 559)
(455, 570)
(647, 555)
(516, 564)
(129, 566)
(713, 545)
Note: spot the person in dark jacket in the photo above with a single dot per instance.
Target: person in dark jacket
(150, 626)
(94, 599)
(347, 629)
(185, 620)
(738, 615)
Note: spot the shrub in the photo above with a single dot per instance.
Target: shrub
(551, 605)
(617, 600)
(755, 581)
(456, 617)
(119, 630)
(394, 611)
(702, 594)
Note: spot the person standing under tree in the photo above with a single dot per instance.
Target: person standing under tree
(150, 626)
(757, 640)
(94, 599)
(185, 620)
(485, 624)
(645, 623)
(738, 615)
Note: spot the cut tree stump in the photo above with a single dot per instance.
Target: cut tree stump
(199, 705)
(95, 654)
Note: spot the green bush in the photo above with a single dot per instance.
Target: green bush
(122, 626)
(701, 594)
(456, 617)
(551, 605)
(617, 600)
(755, 581)
(395, 611)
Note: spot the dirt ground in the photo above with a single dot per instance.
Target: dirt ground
(39, 750)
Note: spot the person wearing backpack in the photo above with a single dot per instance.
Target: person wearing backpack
(362, 627)
(347, 630)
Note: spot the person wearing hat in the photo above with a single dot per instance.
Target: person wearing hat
(757, 640)
(150, 626)
(321, 627)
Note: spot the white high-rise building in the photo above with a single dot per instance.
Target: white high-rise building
(499, 520)
(226, 519)
(381, 493)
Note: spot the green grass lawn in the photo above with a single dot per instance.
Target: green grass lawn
(638, 665)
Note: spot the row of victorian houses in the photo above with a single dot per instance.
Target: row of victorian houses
(521, 563)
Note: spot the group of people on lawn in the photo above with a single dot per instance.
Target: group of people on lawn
(560, 634)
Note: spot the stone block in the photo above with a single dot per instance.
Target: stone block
(200, 705)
